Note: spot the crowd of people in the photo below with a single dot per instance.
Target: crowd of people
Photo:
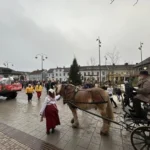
(49, 109)
(50, 112)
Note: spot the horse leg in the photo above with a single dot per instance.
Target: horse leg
(106, 124)
(75, 119)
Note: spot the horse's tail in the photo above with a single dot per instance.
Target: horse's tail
(109, 110)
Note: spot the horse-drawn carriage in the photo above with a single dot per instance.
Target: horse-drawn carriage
(99, 99)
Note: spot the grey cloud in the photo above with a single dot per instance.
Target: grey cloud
(67, 28)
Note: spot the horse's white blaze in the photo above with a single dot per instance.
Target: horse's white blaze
(58, 88)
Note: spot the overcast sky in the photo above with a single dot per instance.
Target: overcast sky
(62, 29)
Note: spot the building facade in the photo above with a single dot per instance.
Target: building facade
(117, 73)
(144, 65)
(59, 74)
(38, 75)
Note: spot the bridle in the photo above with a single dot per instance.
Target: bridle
(73, 92)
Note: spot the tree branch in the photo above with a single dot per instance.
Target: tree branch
(136, 2)
(112, 1)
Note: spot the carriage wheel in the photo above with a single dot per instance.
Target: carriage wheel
(140, 138)
(130, 125)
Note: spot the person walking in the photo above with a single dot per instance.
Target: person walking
(38, 90)
(110, 92)
(50, 112)
(47, 86)
(119, 94)
(29, 92)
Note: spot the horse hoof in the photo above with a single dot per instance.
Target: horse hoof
(72, 121)
(104, 133)
(75, 126)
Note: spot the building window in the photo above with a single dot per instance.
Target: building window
(103, 79)
(89, 73)
(60, 74)
(103, 73)
(64, 74)
(56, 74)
(97, 73)
(84, 73)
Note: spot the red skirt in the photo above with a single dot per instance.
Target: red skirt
(51, 115)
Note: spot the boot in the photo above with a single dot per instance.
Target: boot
(53, 130)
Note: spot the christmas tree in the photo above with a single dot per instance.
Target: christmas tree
(74, 73)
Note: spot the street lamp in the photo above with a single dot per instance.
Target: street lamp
(7, 64)
(43, 57)
(140, 48)
(99, 46)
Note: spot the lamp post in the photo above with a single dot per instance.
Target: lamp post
(106, 67)
(99, 46)
(140, 48)
(43, 57)
(7, 64)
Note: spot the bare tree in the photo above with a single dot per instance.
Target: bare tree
(133, 5)
(112, 1)
(113, 57)
(136, 2)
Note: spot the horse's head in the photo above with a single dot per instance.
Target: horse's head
(66, 91)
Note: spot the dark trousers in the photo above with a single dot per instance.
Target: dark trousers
(126, 101)
(112, 100)
(29, 96)
(138, 109)
(137, 106)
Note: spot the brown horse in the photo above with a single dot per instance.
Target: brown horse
(78, 97)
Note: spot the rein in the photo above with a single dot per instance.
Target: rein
(67, 101)
(121, 123)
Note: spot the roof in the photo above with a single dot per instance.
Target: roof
(37, 72)
(66, 69)
(144, 62)
(8, 71)
(89, 68)
(51, 70)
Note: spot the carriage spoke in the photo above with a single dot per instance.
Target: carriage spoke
(139, 134)
(139, 143)
(143, 147)
(144, 133)
(148, 147)
(138, 138)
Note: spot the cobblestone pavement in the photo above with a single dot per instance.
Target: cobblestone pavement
(24, 116)
(9, 143)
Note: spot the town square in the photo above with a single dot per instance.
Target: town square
(74, 75)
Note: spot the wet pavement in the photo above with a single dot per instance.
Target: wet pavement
(23, 117)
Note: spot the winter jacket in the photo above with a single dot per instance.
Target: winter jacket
(143, 93)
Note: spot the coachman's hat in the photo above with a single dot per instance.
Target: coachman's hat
(144, 72)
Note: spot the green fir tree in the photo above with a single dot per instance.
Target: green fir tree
(74, 73)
